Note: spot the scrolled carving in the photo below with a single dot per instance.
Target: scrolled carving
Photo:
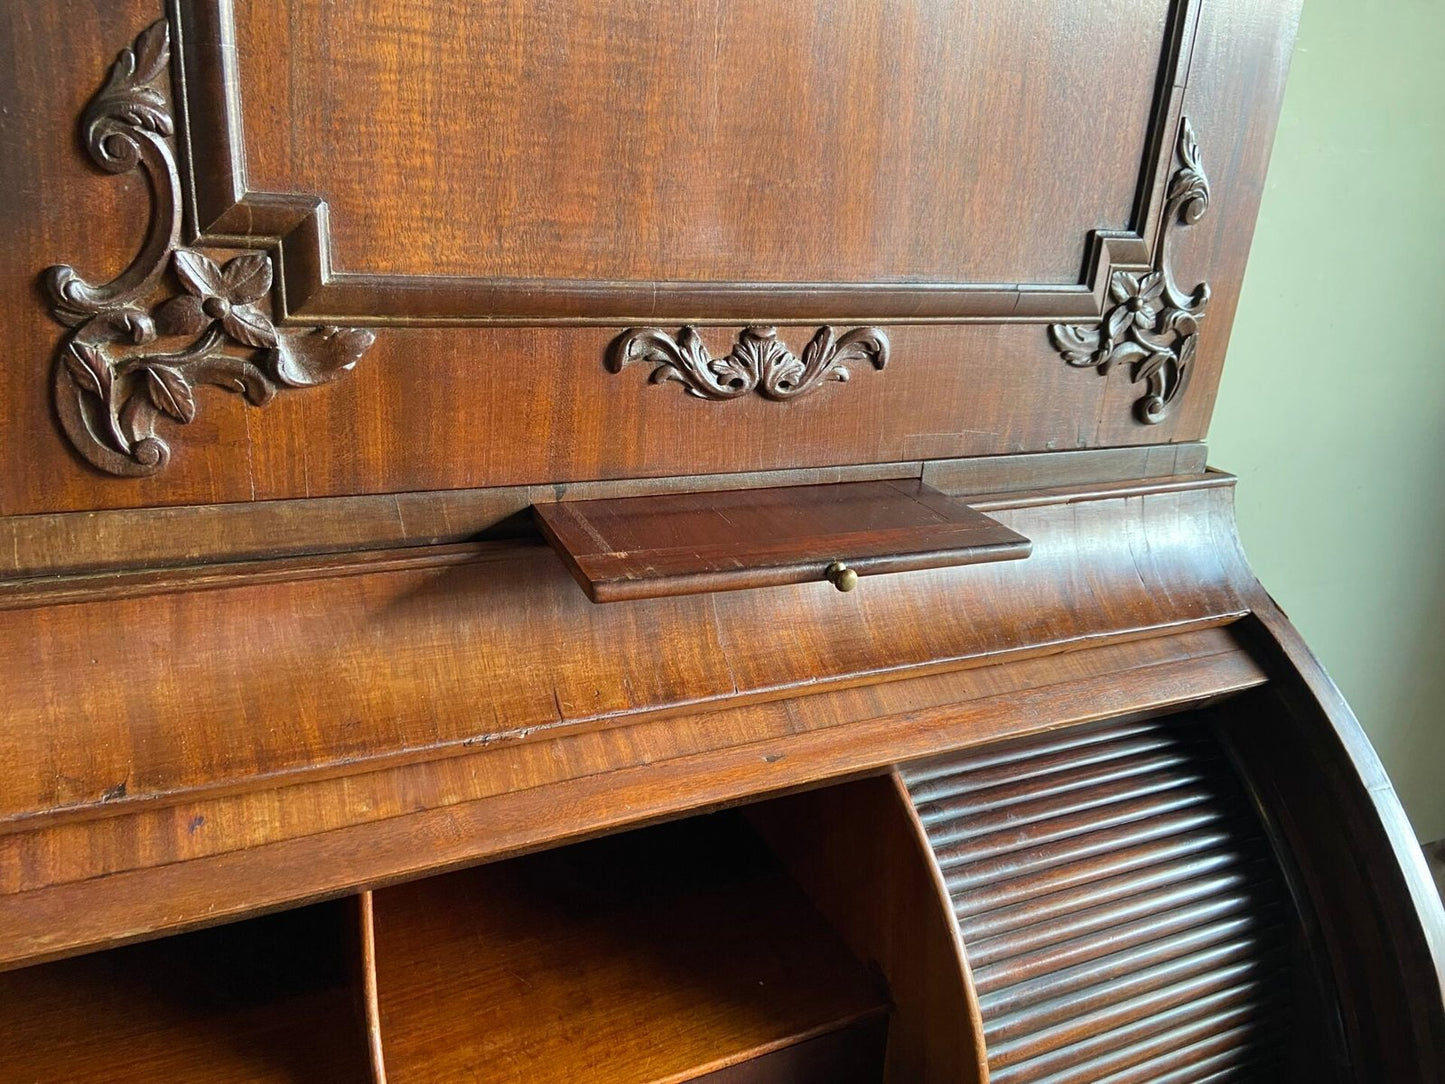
(1153, 325)
(112, 384)
(758, 362)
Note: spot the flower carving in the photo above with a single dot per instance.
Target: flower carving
(758, 361)
(226, 294)
(1139, 298)
(113, 384)
(1153, 326)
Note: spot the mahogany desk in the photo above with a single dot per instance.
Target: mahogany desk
(654, 541)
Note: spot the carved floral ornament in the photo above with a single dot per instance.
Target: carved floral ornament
(1152, 326)
(114, 382)
(758, 361)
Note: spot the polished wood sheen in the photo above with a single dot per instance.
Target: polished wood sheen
(660, 955)
(859, 356)
(678, 141)
(862, 855)
(646, 547)
(1101, 87)
(1119, 907)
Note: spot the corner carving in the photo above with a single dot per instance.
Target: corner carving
(1153, 326)
(112, 382)
(758, 362)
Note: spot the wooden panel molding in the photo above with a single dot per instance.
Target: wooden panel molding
(227, 210)
(113, 383)
(1153, 326)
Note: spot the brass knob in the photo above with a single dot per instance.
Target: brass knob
(841, 576)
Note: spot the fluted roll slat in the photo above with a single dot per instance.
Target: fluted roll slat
(1122, 913)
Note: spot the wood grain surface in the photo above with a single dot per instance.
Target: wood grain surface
(650, 547)
(321, 650)
(129, 871)
(861, 855)
(269, 1001)
(658, 955)
(436, 408)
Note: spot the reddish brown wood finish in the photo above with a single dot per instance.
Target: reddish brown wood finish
(659, 955)
(129, 872)
(862, 856)
(1120, 909)
(649, 547)
(378, 663)
(432, 408)
(678, 147)
(270, 1001)
(319, 648)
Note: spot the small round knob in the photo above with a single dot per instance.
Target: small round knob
(841, 576)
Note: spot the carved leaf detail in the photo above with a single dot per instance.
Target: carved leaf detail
(1189, 188)
(247, 277)
(1149, 324)
(1118, 322)
(170, 392)
(320, 355)
(198, 273)
(126, 98)
(240, 375)
(248, 324)
(181, 315)
(89, 369)
(758, 360)
(1129, 353)
(1078, 343)
(109, 394)
(123, 325)
(152, 52)
(1152, 363)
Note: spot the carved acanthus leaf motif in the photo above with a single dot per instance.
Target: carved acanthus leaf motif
(1152, 326)
(758, 361)
(112, 384)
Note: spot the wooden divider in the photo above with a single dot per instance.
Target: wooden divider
(860, 854)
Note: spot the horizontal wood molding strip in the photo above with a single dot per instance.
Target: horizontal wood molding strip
(73, 543)
(157, 713)
(692, 543)
(518, 797)
(132, 583)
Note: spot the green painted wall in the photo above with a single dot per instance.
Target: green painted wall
(1332, 409)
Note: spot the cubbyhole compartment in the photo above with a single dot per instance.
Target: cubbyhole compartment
(674, 953)
(271, 1000)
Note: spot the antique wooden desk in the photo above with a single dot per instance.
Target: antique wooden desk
(654, 541)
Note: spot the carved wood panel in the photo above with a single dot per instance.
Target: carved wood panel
(648, 163)
(518, 400)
